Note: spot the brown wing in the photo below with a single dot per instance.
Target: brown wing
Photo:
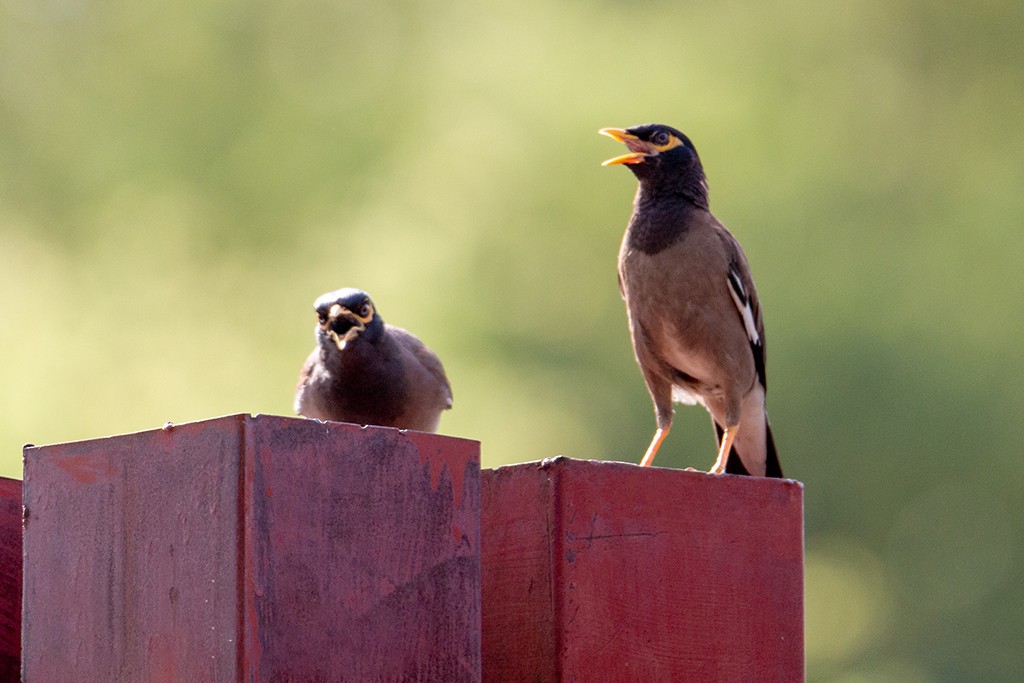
(427, 358)
(301, 399)
(748, 305)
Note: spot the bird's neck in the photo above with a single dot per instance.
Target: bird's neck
(660, 220)
(690, 185)
(351, 361)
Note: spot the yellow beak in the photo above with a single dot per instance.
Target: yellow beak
(621, 135)
(337, 311)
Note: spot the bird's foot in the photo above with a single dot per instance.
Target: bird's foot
(723, 450)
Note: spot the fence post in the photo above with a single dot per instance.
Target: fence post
(10, 579)
(253, 548)
(609, 571)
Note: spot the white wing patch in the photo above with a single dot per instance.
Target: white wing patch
(742, 301)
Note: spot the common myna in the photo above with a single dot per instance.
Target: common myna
(693, 311)
(368, 372)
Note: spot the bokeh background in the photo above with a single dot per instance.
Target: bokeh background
(179, 181)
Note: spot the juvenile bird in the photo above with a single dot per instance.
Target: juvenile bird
(368, 372)
(694, 315)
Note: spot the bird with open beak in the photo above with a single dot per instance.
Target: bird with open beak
(694, 315)
(365, 371)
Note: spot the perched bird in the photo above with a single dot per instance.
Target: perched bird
(368, 372)
(693, 311)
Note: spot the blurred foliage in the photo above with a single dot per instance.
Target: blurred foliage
(179, 181)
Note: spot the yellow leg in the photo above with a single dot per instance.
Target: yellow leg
(652, 450)
(723, 450)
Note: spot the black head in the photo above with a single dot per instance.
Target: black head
(663, 159)
(346, 315)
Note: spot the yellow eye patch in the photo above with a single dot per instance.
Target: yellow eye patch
(672, 143)
(365, 319)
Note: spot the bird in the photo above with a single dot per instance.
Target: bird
(365, 371)
(694, 315)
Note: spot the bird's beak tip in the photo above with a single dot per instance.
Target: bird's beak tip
(617, 134)
(623, 136)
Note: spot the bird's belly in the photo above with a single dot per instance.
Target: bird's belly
(694, 357)
(686, 345)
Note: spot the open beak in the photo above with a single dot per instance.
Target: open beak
(638, 149)
(354, 322)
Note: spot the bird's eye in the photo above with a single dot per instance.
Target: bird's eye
(322, 316)
(660, 138)
(364, 310)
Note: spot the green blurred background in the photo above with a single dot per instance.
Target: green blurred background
(179, 181)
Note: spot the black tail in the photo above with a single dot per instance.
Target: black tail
(735, 466)
(772, 466)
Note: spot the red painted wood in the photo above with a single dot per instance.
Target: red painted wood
(253, 549)
(386, 586)
(10, 579)
(519, 621)
(613, 572)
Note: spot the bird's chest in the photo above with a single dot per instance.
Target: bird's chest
(364, 385)
(673, 299)
(668, 290)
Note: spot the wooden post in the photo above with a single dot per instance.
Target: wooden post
(10, 579)
(613, 572)
(253, 549)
